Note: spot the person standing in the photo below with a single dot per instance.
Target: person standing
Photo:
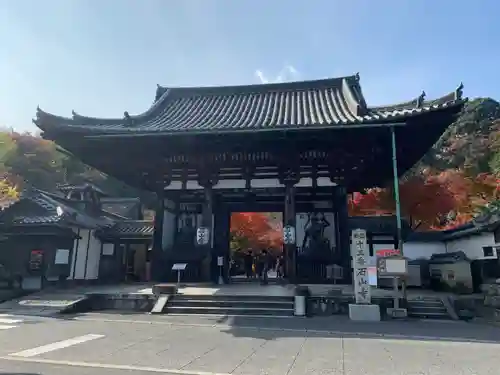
(279, 267)
(265, 261)
(248, 260)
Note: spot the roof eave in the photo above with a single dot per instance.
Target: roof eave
(284, 129)
(55, 131)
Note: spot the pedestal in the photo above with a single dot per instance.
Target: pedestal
(364, 313)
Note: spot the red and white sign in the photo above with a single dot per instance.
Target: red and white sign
(387, 253)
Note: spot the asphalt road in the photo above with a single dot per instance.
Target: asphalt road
(112, 344)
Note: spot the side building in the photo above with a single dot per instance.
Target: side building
(77, 235)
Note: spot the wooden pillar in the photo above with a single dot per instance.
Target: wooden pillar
(290, 220)
(343, 241)
(289, 179)
(207, 222)
(157, 250)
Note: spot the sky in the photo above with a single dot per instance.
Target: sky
(102, 58)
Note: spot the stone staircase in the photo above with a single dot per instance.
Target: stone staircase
(276, 306)
(428, 308)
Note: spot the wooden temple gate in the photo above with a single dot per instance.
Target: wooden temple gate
(295, 147)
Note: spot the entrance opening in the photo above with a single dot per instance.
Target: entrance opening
(256, 246)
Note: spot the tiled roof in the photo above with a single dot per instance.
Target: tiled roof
(58, 210)
(65, 188)
(308, 104)
(129, 229)
(124, 207)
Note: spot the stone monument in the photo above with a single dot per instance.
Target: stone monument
(363, 309)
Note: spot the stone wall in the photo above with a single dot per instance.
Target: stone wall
(484, 306)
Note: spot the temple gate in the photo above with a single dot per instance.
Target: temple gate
(299, 148)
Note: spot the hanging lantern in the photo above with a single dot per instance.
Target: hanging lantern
(202, 236)
(289, 235)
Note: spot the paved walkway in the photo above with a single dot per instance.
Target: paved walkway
(141, 344)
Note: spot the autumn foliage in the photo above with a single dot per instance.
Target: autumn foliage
(255, 231)
(431, 201)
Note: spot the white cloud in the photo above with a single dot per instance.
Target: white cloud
(287, 73)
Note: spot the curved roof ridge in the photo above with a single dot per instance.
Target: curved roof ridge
(389, 107)
(420, 101)
(77, 119)
(260, 88)
(353, 96)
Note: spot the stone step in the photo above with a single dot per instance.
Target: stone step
(435, 303)
(423, 307)
(235, 298)
(214, 310)
(232, 303)
(429, 309)
(249, 305)
(429, 315)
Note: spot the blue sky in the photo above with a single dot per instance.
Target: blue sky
(102, 58)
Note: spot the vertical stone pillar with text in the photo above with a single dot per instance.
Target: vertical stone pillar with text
(360, 254)
(362, 310)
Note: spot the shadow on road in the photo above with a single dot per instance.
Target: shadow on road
(341, 326)
(270, 328)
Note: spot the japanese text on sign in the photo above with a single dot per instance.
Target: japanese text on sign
(360, 255)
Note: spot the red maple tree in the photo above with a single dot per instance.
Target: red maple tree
(254, 231)
(431, 201)
(424, 202)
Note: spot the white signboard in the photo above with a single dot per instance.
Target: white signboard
(220, 261)
(62, 256)
(179, 266)
(360, 256)
(397, 265)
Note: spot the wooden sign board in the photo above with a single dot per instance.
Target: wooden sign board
(392, 266)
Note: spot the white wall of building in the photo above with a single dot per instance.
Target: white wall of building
(419, 250)
(86, 256)
(412, 250)
(472, 245)
(93, 258)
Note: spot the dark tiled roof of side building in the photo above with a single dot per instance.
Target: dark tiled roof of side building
(128, 229)
(129, 208)
(55, 209)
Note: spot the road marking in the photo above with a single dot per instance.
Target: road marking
(111, 366)
(4, 319)
(3, 327)
(56, 346)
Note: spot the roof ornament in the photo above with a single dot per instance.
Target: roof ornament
(459, 91)
(356, 76)
(420, 99)
(129, 121)
(74, 114)
(160, 90)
